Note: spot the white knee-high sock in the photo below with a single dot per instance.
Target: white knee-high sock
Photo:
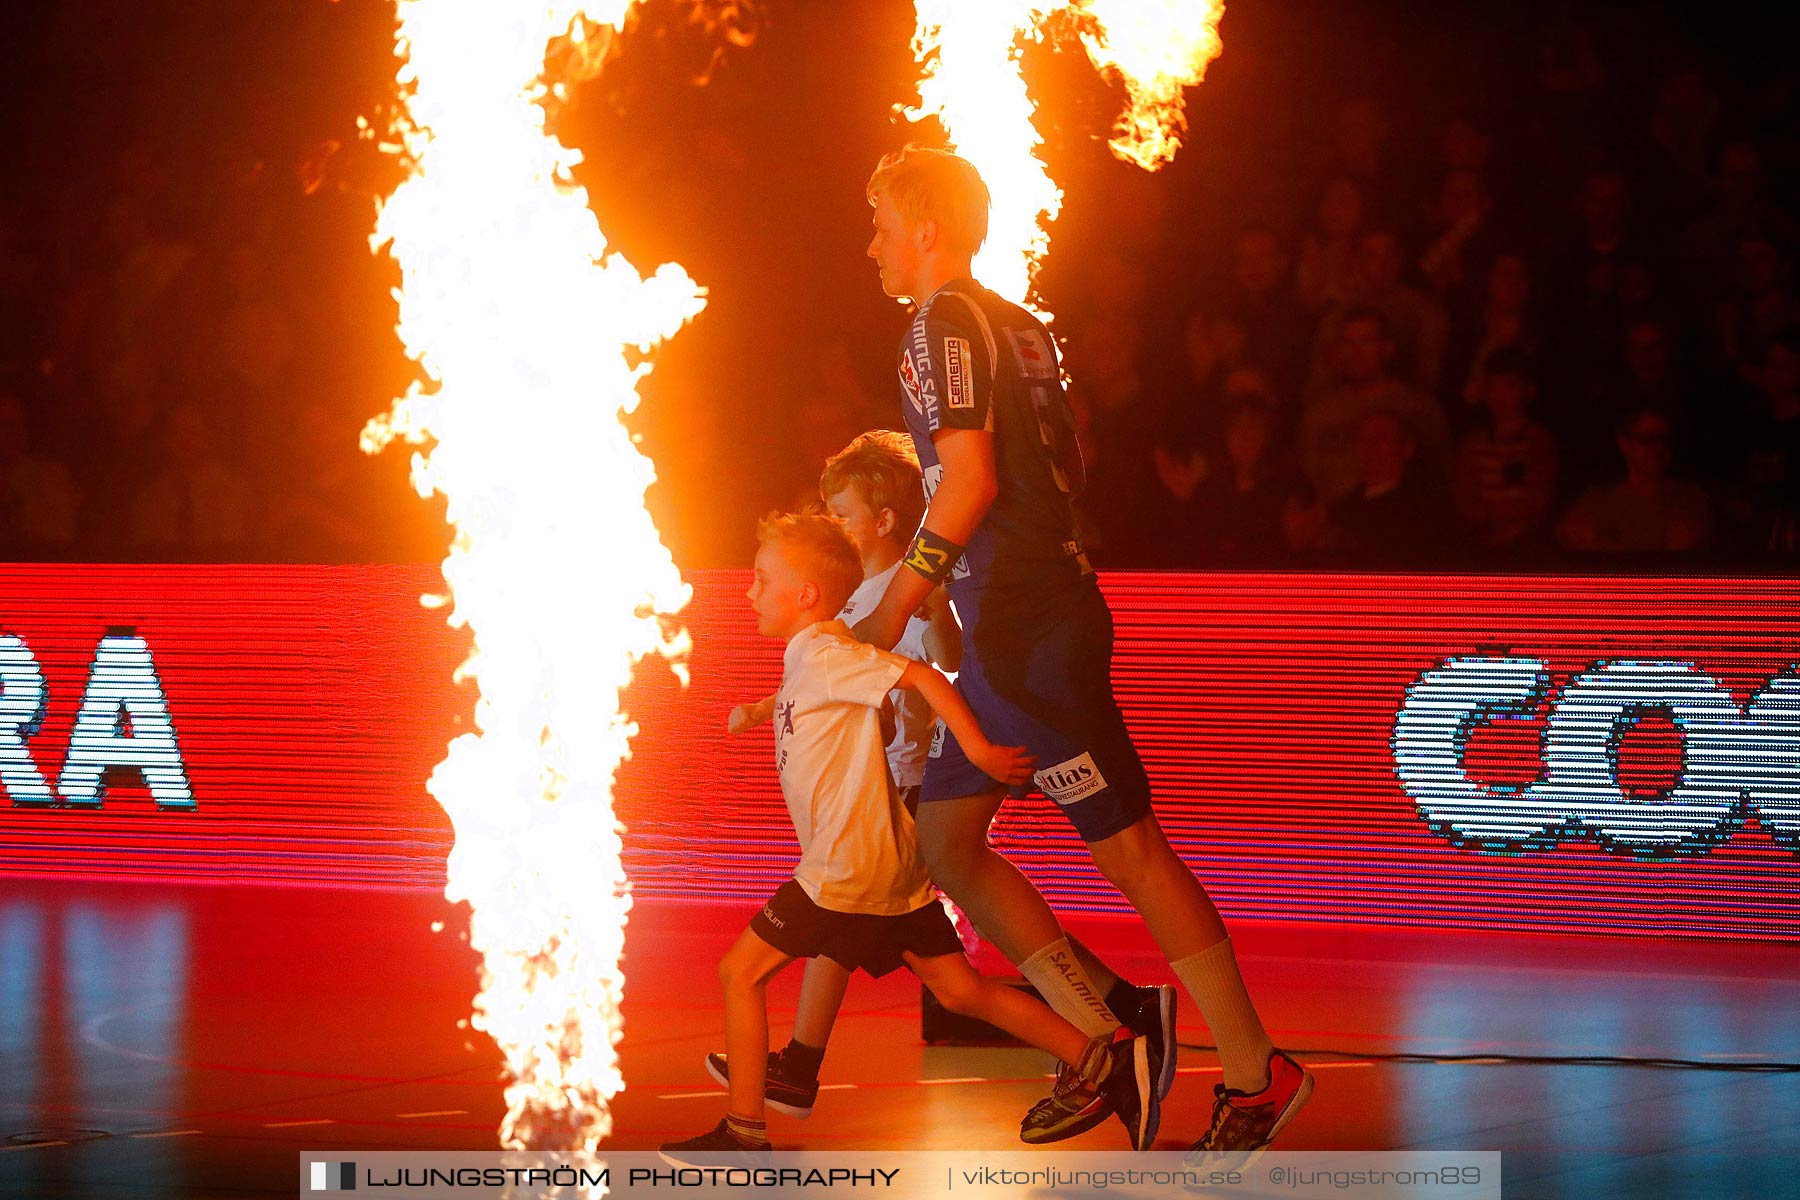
(1211, 978)
(1057, 975)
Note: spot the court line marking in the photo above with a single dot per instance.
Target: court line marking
(832, 1087)
(168, 1133)
(293, 1124)
(446, 1112)
(30, 1146)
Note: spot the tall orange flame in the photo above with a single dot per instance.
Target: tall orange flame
(521, 319)
(970, 57)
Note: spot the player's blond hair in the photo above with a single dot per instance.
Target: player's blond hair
(883, 468)
(819, 549)
(935, 185)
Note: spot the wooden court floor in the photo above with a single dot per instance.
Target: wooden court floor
(191, 1042)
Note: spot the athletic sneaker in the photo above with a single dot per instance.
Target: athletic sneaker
(783, 1088)
(1078, 1102)
(1149, 1012)
(1249, 1121)
(718, 1147)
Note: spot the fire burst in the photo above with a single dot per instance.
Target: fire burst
(530, 336)
(970, 55)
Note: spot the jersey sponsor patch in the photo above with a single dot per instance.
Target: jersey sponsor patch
(959, 391)
(1067, 782)
(909, 381)
(1033, 352)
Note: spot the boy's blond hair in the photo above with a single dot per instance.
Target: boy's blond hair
(883, 468)
(935, 185)
(820, 549)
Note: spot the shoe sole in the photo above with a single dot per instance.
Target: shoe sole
(1149, 1100)
(715, 1158)
(1295, 1103)
(1165, 1015)
(1302, 1094)
(781, 1106)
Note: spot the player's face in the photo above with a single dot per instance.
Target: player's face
(776, 594)
(896, 250)
(861, 522)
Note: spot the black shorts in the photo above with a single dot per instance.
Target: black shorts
(794, 925)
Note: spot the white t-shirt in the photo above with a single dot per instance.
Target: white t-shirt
(858, 850)
(914, 722)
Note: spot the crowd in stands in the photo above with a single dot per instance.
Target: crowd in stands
(1608, 372)
(1558, 330)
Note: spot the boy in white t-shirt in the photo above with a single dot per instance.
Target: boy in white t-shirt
(860, 894)
(875, 488)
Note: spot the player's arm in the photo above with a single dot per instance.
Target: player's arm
(962, 499)
(1011, 765)
(749, 716)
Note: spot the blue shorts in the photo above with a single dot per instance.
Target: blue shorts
(1043, 680)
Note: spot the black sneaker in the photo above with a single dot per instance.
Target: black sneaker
(718, 1147)
(1149, 1012)
(1249, 1121)
(783, 1090)
(1077, 1104)
(1131, 1087)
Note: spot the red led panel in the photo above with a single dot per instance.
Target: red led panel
(309, 704)
(1618, 755)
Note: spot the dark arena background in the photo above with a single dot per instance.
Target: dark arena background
(1481, 727)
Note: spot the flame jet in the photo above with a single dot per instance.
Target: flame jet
(530, 336)
(970, 57)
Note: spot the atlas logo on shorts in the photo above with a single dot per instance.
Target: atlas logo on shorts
(1068, 782)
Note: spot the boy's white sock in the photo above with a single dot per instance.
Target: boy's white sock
(1211, 978)
(1057, 975)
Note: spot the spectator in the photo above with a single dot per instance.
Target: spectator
(1194, 397)
(196, 505)
(1762, 500)
(1240, 505)
(1359, 150)
(1462, 241)
(1682, 126)
(37, 494)
(1415, 319)
(1711, 245)
(1395, 513)
(1760, 301)
(319, 515)
(1117, 428)
(1260, 303)
(1507, 322)
(1506, 470)
(1465, 145)
(1327, 274)
(256, 339)
(1643, 376)
(1182, 429)
(1362, 355)
(1646, 512)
